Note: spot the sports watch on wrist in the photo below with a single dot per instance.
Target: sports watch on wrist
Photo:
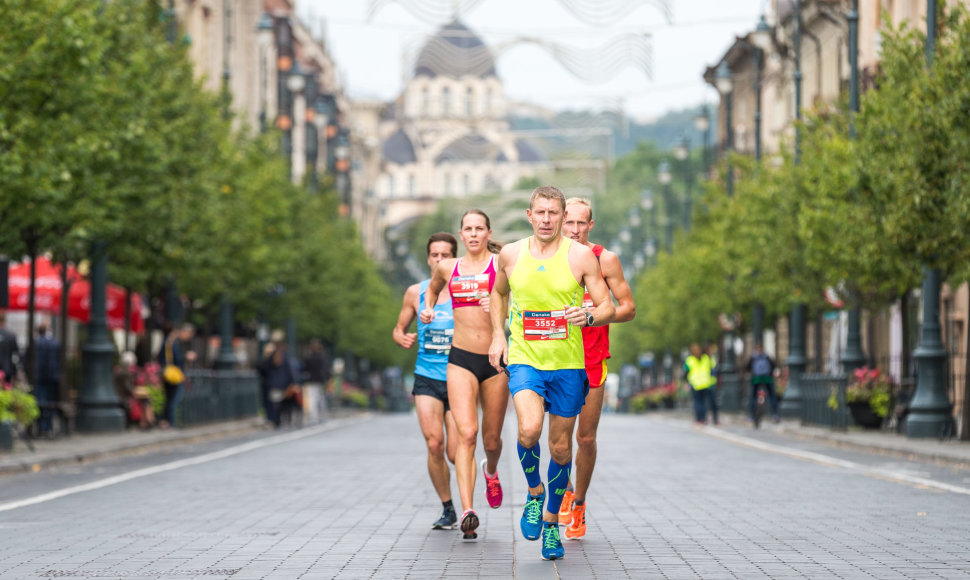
(589, 319)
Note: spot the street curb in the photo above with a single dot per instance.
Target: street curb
(31, 462)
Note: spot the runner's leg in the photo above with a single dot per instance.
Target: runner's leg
(494, 393)
(431, 419)
(589, 420)
(463, 400)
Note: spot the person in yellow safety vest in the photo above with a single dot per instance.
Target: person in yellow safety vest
(700, 368)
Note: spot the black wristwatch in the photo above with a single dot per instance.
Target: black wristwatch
(589, 319)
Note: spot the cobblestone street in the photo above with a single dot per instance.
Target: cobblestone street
(351, 499)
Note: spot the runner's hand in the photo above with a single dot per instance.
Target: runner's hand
(484, 303)
(575, 315)
(406, 340)
(498, 352)
(426, 316)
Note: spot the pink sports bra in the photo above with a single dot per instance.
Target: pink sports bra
(468, 289)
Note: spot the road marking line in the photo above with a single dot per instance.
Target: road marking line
(835, 462)
(206, 458)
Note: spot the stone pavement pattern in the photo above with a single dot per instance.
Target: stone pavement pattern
(352, 499)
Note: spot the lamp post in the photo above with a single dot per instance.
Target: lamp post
(264, 36)
(295, 83)
(702, 122)
(853, 357)
(663, 175)
(647, 205)
(725, 85)
(226, 358)
(761, 42)
(98, 408)
(682, 153)
(930, 413)
(341, 154)
(791, 405)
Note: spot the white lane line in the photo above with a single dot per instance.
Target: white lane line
(206, 458)
(835, 462)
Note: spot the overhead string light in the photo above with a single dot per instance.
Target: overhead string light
(592, 12)
(433, 11)
(456, 51)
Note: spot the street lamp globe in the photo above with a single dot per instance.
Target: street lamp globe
(650, 249)
(264, 30)
(702, 121)
(663, 173)
(681, 150)
(646, 200)
(761, 37)
(296, 82)
(723, 80)
(625, 236)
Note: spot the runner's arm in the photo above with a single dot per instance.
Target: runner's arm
(498, 350)
(613, 272)
(603, 310)
(439, 277)
(402, 337)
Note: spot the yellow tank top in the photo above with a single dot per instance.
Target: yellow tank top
(540, 291)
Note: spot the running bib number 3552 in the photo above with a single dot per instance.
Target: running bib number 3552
(470, 288)
(545, 325)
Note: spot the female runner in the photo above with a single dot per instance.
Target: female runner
(470, 376)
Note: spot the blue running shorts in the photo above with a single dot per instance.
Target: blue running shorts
(564, 391)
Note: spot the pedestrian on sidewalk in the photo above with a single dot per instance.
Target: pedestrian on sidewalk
(176, 350)
(471, 378)
(700, 370)
(540, 281)
(279, 378)
(9, 352)
(47, 377)
(596, 344)
(316, 375)
(761, 367)
(430, 390)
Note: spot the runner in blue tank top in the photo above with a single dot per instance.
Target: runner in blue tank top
(430, 389)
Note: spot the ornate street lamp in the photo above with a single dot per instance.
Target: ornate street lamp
(724, 83)
(853, 356)
(264, 38)
(791, 405)
(664, 176)
(702, 122)
(930, 412)
(682, 153)
(98, 405)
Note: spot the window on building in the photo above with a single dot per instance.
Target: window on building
(446, 102)
(425, 102)
(411, 186)
(448, 190)
(390, 186)
(466, 184)
(469, 101)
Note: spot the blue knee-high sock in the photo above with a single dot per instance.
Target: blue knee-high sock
(558, 480)
(529, 458)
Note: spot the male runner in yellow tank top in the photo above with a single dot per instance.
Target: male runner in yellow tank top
(539, 282)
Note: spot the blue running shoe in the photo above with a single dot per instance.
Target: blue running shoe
(551, 544)
(531, 522)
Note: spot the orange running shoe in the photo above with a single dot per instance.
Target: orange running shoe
(566, 509)
(577, 529)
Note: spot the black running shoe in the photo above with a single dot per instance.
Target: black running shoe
(446, 521)
(469, 523)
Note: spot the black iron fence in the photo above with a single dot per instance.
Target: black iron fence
(823, 400)
(212, 395)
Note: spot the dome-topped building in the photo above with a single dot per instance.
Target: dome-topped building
(448, 134)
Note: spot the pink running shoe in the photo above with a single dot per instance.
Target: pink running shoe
(493, 488)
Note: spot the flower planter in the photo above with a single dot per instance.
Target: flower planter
(864, 416)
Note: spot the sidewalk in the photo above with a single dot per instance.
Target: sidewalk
(83, 447)
(875, 441)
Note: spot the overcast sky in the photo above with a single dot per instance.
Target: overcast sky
(370, 52)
